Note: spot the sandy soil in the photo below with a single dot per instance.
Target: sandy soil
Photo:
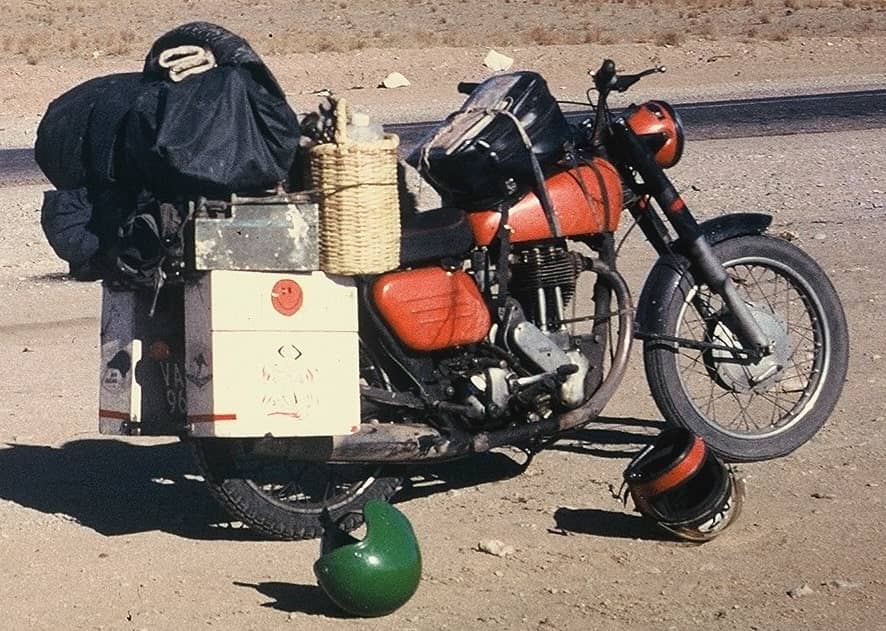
(120, 534)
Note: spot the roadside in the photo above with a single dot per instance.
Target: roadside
(698, 70)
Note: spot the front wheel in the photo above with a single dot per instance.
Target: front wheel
(749, 410)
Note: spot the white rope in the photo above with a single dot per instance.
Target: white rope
(185, 61)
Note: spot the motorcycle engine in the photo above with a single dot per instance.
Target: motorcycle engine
(543, 282)
(544, 279)
(557, 368)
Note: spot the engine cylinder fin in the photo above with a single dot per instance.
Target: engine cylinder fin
(543, 267)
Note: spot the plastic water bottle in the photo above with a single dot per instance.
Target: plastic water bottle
(362, 128)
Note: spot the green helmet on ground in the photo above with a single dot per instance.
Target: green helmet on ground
(377, 575)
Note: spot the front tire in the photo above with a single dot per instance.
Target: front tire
(748, 411)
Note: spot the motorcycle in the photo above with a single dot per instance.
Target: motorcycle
(507, 322)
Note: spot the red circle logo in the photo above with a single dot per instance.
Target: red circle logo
(286, 296)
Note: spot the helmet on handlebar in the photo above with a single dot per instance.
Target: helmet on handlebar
(684, 487)
(377, 575)
(660, 125)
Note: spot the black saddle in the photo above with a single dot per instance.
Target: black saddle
(434, 235)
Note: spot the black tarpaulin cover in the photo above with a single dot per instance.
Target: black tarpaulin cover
(114, 142)
(213, 134)
(76, 137)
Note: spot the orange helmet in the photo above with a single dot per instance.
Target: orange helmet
(684, 487)
(658, 124)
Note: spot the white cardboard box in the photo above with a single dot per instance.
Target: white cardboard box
(271, 353)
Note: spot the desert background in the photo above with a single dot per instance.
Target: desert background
(99, 533)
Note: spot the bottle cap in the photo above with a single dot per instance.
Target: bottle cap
(360, 119)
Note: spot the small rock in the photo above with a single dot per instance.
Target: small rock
(787, 235)
(496, 61)
(839, 583)
(395, 80)
(820, 236)
(292, 615)
(802, 590)
(495, 547)
(823, 496)
(499, 573)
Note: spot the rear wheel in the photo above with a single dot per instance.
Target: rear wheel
(287, 500)
(749, 410)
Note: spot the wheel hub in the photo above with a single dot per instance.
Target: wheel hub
(741, 375)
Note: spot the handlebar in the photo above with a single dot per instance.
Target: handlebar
(606, 79)
(467, 87)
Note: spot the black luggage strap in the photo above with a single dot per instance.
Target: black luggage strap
(503, 266)
(543, 196)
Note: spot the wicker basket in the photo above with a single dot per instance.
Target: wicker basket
(359, 204)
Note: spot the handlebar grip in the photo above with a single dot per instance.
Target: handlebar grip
(605, 75)
(467, 87)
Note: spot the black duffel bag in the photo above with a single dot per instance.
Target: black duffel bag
(224, 130)
(213, 134)
(77, 135)
(481, 151)
(66, 219)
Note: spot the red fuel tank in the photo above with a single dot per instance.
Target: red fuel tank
(587, 200)
(431, 309)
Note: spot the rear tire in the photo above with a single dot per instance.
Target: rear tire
(748, 412)
(287, 500)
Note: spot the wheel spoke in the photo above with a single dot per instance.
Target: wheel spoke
(779, 303)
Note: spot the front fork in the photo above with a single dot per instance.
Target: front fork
(709, 268)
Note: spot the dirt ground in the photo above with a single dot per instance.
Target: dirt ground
(99, 533)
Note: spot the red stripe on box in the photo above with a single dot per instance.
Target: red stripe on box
(123, 416)
(211, 418)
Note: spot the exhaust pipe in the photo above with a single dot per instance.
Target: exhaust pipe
(399, 443)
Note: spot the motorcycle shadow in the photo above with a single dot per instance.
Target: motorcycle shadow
(611, 437)
(430, 479)
(607, 437)
(116, 488)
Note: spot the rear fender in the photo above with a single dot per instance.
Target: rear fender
(669, 269)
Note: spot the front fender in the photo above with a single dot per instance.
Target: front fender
(665, 275)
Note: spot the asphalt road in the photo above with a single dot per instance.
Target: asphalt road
(811, 113)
